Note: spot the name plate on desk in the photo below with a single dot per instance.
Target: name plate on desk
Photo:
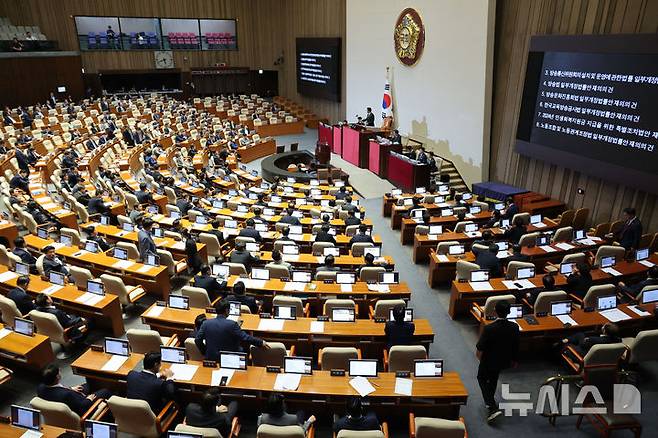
(273, 369)
(209, 364)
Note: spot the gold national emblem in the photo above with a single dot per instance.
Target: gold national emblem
(409, 37)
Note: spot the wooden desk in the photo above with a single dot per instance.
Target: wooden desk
(462, 295)
(33, 352)
(154, 279)
(258, 150)
(366, 333)
(106, 313)
(9, 431)
(9, 231)
(317, 292)
(313, 262)
(550, 328)
(115, 234)
(408, 225)
(288, 128)
(442, 396)
(423, 244)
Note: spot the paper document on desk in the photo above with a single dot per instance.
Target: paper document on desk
(588, 242)
(614, 315)
(61, 211)
(317, 326)
(289, 257)
(362, 386)
(123, 264)
(566, 319)
(114, 363)
(6, 276)
(178, 245)
(539, 225)
(31, 434)
(218, 374)
(470, 216)
(4, 332)
(346, 288)
(183, 371)
(646, 263)
(271, 325)
(564, 246)
(294, 286)
(381, 288)
(524, 284)
(403, 386)
(547, 248)
(155, 311)
(287, 382)
(502, 254)
(49, 205)
(52, 289)
(89, 299)
(144, 269)
(250, 283)
(442, 258)
(612, 271)
(57, 245)
(639, 311)
(480, 285)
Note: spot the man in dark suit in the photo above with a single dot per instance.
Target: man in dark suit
(21, 181)
(488, 260)
(77, 398)
(329, 265)
(250, 231)
(348, 206)
(510, 208)
(128, 137)
(216, 231)
(143, 195)
(68, 162)
(324, 236)
(342, 193)
(155, 387)
(289, 219)
(422, 156)
(210, 413)
(145, 242)
(239, 294)
(52, 263)
(222, 334)
(77, 324)
(398, 331)
(497, 349)
(241, 255)
(582, 343)
(93, 236)
(211, 284)
(631, 233)
(24, 254)
(356, 418)
(635, 289)
(361, 236)
(19, 295)
(95, 205)
(184, 205)
(351, 219)
(514, 233)
(23, 160)
(370, 117)
(517, 256)
(91, 144)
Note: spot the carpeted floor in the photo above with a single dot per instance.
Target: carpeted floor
(454, 342)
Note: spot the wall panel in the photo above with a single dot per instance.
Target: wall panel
(265, 29)
(517, 20)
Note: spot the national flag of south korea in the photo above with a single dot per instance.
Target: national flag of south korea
(387, 102)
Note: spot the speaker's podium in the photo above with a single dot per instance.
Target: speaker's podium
(407, 174)
(355, 143)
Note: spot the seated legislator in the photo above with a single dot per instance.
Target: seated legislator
(24, 254)
(211, 284)
(239, 294)
(583, 343)
(241, 255)
(211, 413)
(45, 304)
(487, 259)
(361, 236)
(277, 260)
(348, 206)
(329, 264)
(155, 387)
(78, 398)
(510, 208)
(356, 418)
(276, 414)
(516, 231)
(222, 334)
(398, 331)
(635, 289)
(250, 231)
(93, 235)
(580, 280)
(517, 255)
(289, 219)
(351, 218)
(19, 295)
(324, 235)
(548, 285)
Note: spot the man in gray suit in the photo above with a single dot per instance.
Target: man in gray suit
(145, 242)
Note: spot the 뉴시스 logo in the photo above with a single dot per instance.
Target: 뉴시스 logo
(626, 400)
